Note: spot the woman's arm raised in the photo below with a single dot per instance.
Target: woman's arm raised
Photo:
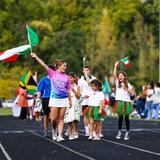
(40, 61)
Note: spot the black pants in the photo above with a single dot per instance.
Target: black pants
(120, 121)
(23, 114)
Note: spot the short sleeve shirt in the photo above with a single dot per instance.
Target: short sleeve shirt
(44, 86)
(122, 94)
(60, 84)
(95, 97)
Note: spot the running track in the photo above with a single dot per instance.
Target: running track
(23, 140)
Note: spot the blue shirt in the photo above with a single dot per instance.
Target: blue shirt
(44, 86)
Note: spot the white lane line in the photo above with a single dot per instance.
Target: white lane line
(150, 130)
(124, 145)
(18, 131)
(13, 132)
(5, 152)
(135, 148)
(69, 149)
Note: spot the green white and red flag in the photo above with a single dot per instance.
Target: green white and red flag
(125, 61)
(11, 55)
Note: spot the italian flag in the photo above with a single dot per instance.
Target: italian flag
(125, 61)
(11, 55)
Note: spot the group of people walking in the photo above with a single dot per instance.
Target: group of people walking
(62, 98)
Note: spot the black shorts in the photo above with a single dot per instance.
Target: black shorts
(45, 103)
(84, 107)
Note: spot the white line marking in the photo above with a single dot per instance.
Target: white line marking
(154, 131)
(135, 148)
(124, 145)
(13, 132)
(4, 152)
(71, 150)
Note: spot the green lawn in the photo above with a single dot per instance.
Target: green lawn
(5, 111)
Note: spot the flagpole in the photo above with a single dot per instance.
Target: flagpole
(29, 39)
(84, 61)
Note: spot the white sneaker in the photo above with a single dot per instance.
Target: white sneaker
(119, 135)
(54, 134)
(76, 135)
(94, 134)
(126, 137)
(71, 138)
(86, 134)
(96, 138)
(90, 138)
(101, 135)
(60, 138)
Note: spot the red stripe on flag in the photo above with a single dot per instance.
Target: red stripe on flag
(11, 59)
(1, 53)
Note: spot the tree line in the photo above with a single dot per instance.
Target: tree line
(103, 31)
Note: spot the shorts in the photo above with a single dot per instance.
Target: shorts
(45, 103)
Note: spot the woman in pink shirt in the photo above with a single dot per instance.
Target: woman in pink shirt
(60, 96)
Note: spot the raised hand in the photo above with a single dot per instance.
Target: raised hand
(33, 55)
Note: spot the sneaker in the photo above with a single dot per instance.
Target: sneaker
(101, 135)
(96, 138)
(86, 134)
(94, 134)
(90, 138)
(76, 135)
(60, 138)
(126, 137)
(118, 135)
(71, 137)
(45, 134)
(54, 134)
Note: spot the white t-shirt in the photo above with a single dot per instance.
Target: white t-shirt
(156, 95)
(150, 93)
(95, 97)
(122, 94)
(84, 89)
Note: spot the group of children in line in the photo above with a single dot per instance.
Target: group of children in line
(64, 100)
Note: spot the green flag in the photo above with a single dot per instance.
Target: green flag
(106, 87)
(32, 37)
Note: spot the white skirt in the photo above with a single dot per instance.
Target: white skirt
(64, 102)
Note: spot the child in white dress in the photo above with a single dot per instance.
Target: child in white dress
(72, 115)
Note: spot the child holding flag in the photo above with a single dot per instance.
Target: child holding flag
(123, 106)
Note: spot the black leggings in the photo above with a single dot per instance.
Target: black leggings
(120, 121)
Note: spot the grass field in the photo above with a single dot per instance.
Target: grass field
(5, 111)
